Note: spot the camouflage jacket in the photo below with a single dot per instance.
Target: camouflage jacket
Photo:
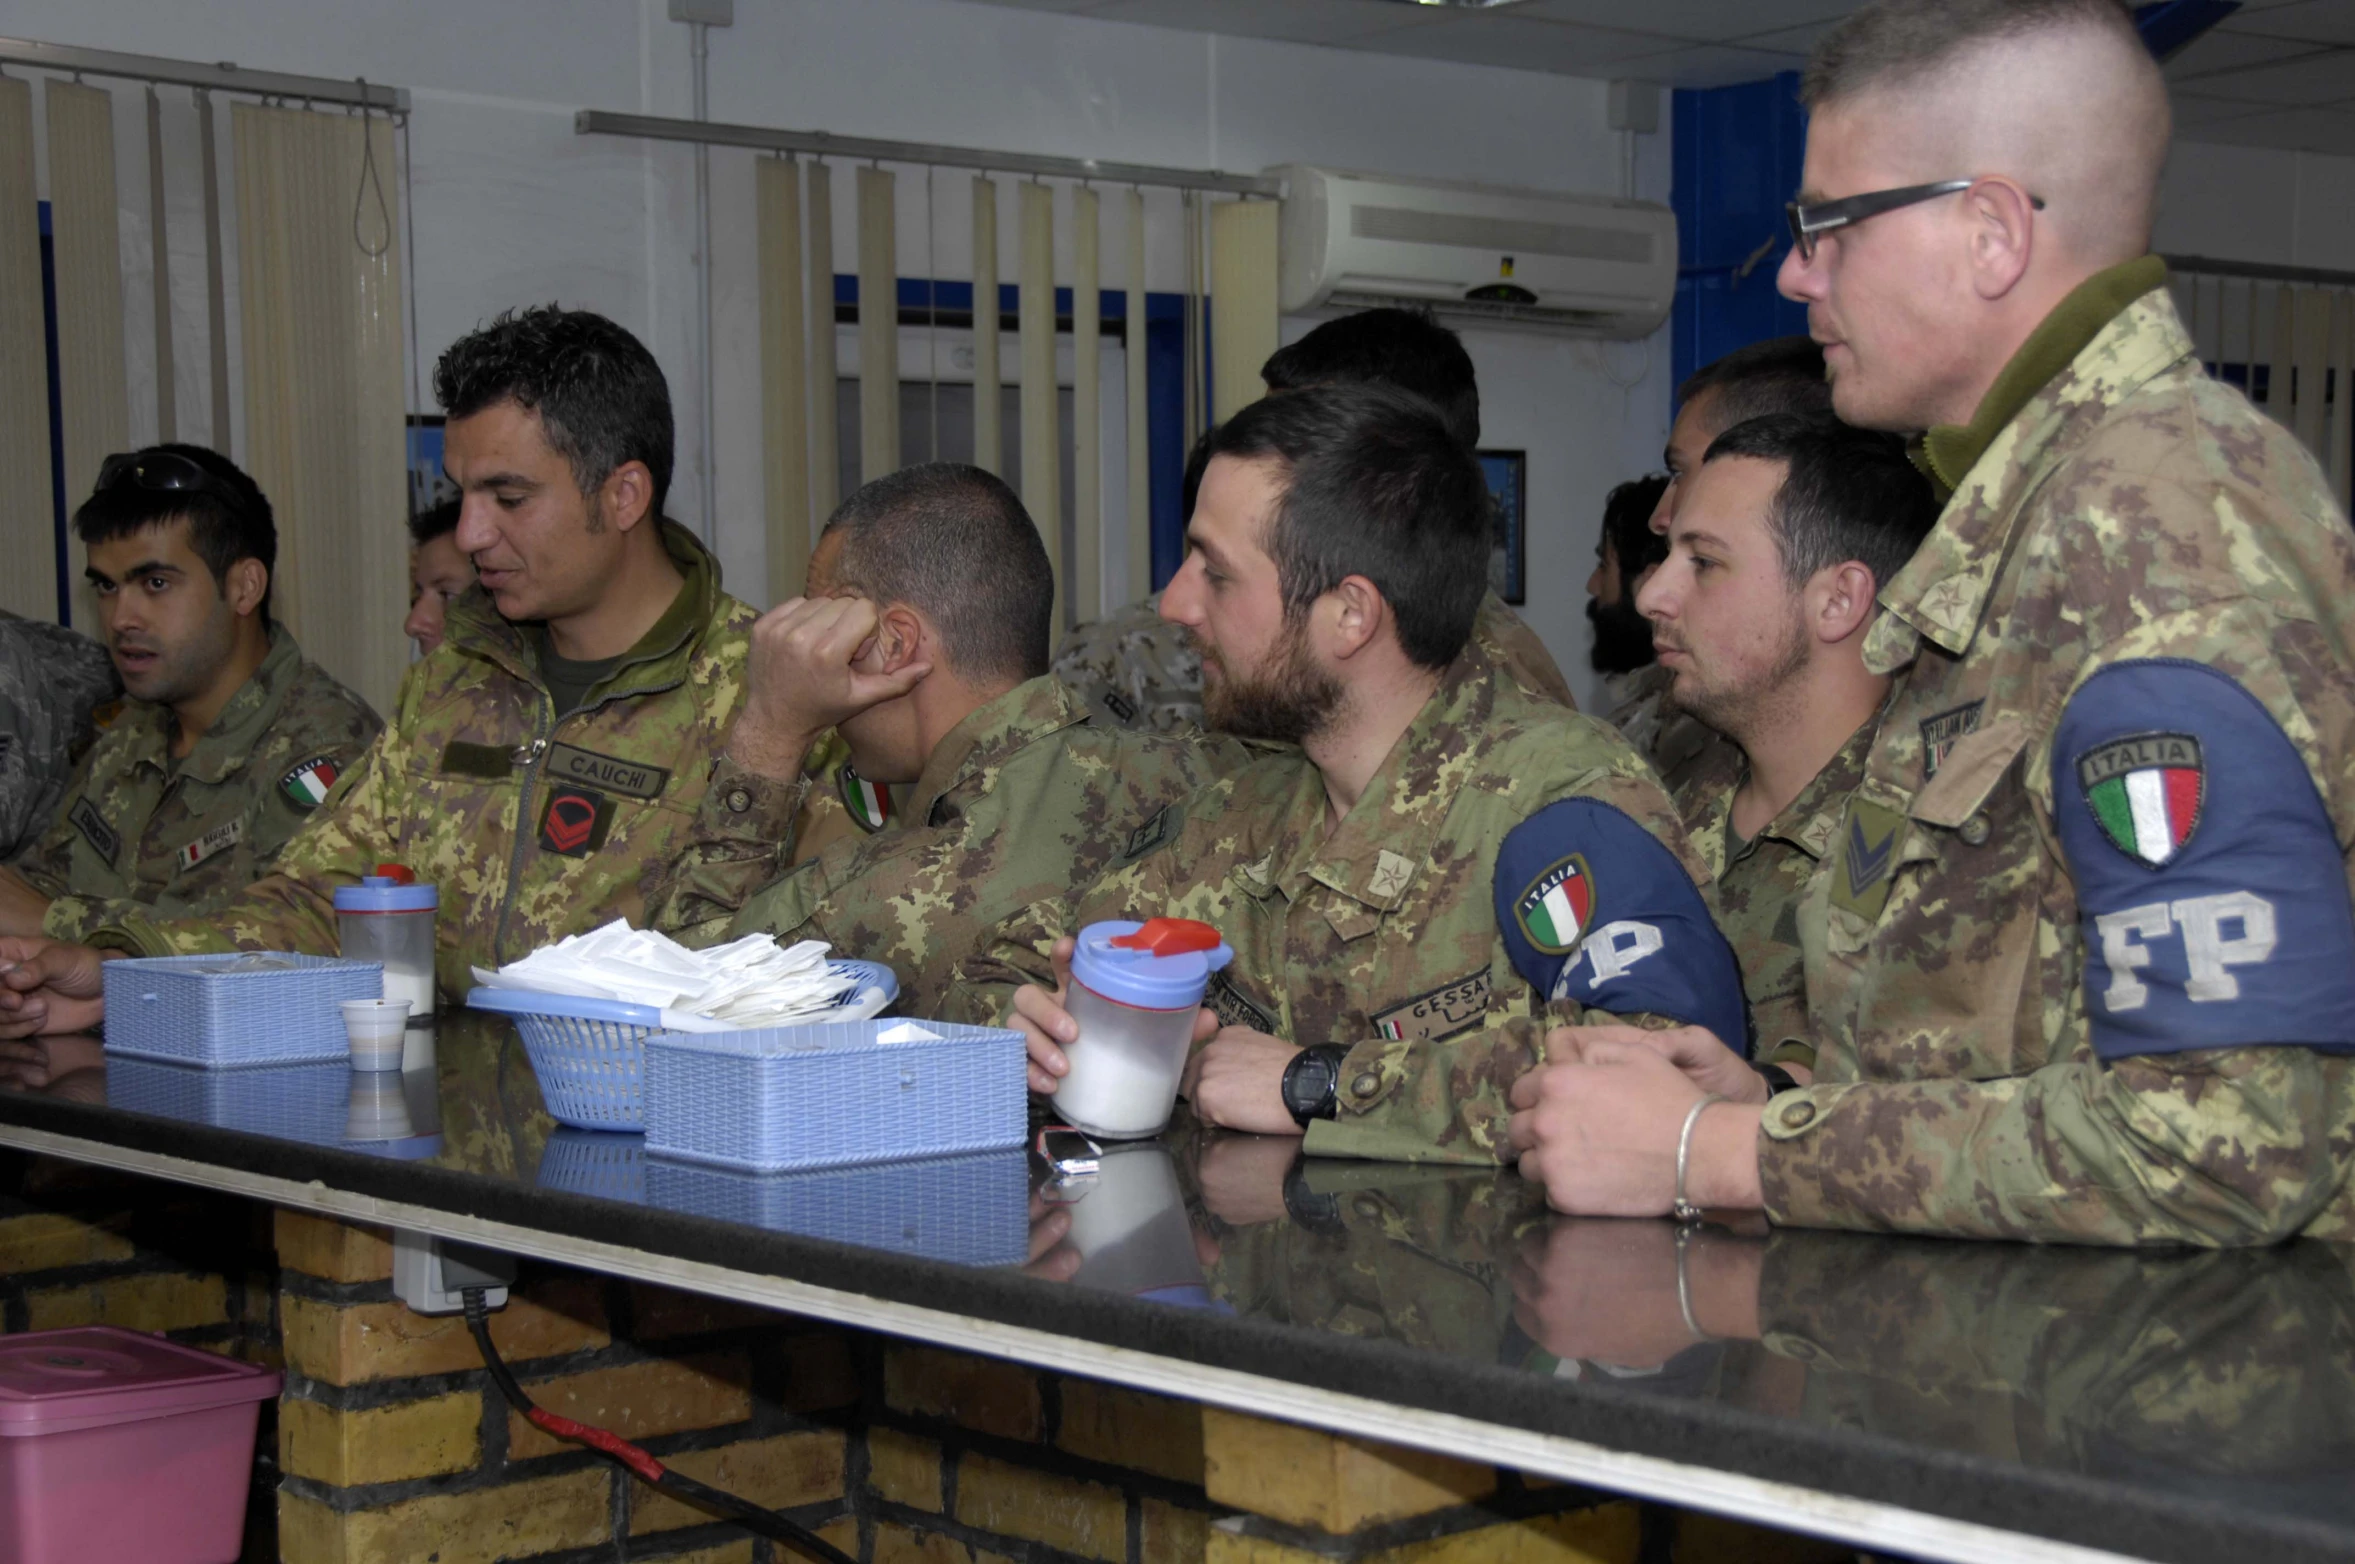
(531, 828)
(52, 684)
(1677, 744)
(1134, 668)
(2130, 521)
(1380, 934)
(1762, 882)
(140, 832)
(1025, 800)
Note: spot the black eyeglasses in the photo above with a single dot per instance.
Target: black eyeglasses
(163, 472)
(1824, 216)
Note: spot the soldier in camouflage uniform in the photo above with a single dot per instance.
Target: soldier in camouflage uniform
(1137, 669)
(1375, 999)
(547, 765)
(1761, 612)
(1019, 795)
(2082, 963)
(53, 684)
(232, 737)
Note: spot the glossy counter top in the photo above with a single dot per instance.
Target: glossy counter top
(1942, 1399)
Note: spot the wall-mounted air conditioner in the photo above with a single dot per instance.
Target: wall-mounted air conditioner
(1588, 264)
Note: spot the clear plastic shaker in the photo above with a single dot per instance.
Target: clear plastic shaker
(1135, 989)
(388, 917)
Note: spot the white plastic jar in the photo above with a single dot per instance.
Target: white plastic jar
(1135, 988)
(388, 917)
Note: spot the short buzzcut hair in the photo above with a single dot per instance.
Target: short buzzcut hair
(229, 517)
(601, 398)
(954, 542)
(1847, 493)
(1375, 485)
(1778, 375)
(1894, 43)
(1391, 347)
(435, 521)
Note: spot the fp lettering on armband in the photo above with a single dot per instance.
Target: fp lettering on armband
(2218, 933)
(1610, 950)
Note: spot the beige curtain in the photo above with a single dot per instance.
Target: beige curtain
(320, 290)
(2342, 414)
(93, 391)
(784, 376)
(167, 417)
(988, 428)
(216, 297)
(1242, 302)
(1140, 440)
(1087, 455)
(878, 326)
(1041, 422)
(825, 370)
(27, 518)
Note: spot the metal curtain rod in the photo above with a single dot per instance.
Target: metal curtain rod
(227, 76)
(604, 122)
(2320, 276)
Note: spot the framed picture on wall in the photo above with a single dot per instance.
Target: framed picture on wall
(428, 486)
(1507, 473)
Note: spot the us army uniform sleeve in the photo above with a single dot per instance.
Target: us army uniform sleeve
(1597, 911)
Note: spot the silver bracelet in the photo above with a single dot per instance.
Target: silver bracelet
(1684, 1210)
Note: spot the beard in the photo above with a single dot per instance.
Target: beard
(1288, 701)
(1744, 708)
(1623, 637)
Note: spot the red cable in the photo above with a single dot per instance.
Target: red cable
(611, 1443)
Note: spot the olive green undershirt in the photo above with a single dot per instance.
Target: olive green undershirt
(1949, 451)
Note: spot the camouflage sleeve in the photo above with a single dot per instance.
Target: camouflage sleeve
(1021, 952)
(293, 908)
(742, 840)
(46, 864)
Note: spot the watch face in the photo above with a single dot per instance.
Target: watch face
(1307, 1083)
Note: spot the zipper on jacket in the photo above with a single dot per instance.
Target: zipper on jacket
(530, 755)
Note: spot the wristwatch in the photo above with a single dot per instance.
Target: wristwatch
(1312, 1083)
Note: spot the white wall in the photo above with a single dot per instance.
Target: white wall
(2258, 204)
(511, 207)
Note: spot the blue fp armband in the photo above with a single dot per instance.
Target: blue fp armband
(2210, 886)
(1595, 908)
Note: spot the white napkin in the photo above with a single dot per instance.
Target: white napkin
(750, 982)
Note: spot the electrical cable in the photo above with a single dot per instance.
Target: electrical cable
(752, 1517)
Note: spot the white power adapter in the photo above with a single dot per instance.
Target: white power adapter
(432, 1275)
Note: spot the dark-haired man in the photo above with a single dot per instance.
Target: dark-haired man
(1778, 375)
(1624, 556)
(2081, 965)
(232, 736)
(923, 642)
(439, 571)
(1380, 998)
(1134, 667)
(547, 764)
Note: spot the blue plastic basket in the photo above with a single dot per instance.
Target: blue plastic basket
(305, 1102)
(590, 1053)
(969, 1210)
(592, 1162)
(828, 1093)
(250, 1008)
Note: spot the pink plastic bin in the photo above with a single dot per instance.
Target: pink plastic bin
(115, 1445)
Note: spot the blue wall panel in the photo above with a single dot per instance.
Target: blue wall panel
(1737, 159)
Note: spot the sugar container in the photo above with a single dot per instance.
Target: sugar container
(388, 917)
(1135, 989)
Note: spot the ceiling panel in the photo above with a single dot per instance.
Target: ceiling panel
(2193, 112)
(2309, 80)
(1044, 5)
(2318, 21)
(1297, 21)
(2222, 51)
(1517, 41)
(1711, 65)
(1706, 21)
(2305, 130)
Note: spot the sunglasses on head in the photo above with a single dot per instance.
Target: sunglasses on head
(1822, 217)
(163, 472)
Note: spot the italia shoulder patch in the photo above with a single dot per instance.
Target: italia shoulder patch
(869, 805)
(1554, 909)
(307, 785)
(2146, 793)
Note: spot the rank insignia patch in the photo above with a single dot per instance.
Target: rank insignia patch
(1868, 858)
(1553, 911)
(869, 805)
(575, 822)
(2146, 793)
(307, 785)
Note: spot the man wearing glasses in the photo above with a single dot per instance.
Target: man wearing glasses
(2081, 959)
(232, 737)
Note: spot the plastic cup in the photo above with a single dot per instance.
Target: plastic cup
(379, 1108)
(374, 1027)
(1135, 990)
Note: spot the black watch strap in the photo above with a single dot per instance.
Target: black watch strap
(1312, 1083)
(1778, 1079)
(1319, 1214)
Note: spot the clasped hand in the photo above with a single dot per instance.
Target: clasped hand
(48, 987)
(1598, 1124)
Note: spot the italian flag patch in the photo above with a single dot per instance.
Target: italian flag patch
(307, 785)
(869, 805)
(2146, 792)
(1554, 909)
